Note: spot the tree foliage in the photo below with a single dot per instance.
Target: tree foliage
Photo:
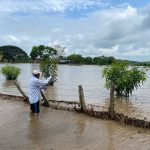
(103, 60)
(76, 58)
(100, 60)
(49, 67)
(48, 58)
(42, 51)
(88, 60)
(10, 72)
(124, 79)
(12, 53)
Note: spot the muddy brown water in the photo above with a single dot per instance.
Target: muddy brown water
(66, 88)
(62, 130)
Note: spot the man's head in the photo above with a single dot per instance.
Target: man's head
(36, 73)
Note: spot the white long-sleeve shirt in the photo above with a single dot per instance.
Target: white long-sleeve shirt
(35, 86)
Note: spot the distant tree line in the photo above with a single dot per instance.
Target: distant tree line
(37, 52)
(100, 60)
(145, 64)
(10, 53)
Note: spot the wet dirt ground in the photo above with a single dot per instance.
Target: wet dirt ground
(62, 130)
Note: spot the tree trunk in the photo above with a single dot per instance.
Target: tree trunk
(21, 91)
(45, 103)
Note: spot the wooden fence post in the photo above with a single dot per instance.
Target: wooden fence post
(111, 106)
(81, 98)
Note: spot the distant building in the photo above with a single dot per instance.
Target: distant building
(65, 61)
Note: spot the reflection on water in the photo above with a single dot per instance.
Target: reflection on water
(33, 130)
(66, 88)
(80, 128)
(8, 84)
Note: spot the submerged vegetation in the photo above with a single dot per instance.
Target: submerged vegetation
(49, 67)
(123, 79)
(10, 72)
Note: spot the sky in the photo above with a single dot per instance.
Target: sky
(119, 28)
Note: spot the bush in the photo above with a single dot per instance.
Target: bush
(124, 79)
(10, 72)
(49, 67)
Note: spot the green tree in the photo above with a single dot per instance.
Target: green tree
(34, 53)
(124, 80)
(103, 60)
(13, 53)
(88, 60)
(10, 72)
(76, 58)
(49, 67)
(42, 51)
(48, 59)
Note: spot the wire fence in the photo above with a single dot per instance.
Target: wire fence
(95, 95)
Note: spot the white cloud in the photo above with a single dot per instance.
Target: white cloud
(10, 38)
(122, 32)
(126, 13)
(37, 6)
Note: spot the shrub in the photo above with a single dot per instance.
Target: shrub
(49, 67)
(124, 79)
(10, 72)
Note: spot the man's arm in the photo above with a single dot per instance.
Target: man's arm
(42, 83)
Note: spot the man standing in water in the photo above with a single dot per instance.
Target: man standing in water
(35, 87)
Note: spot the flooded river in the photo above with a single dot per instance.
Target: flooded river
(66, 88)
(62, 130)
